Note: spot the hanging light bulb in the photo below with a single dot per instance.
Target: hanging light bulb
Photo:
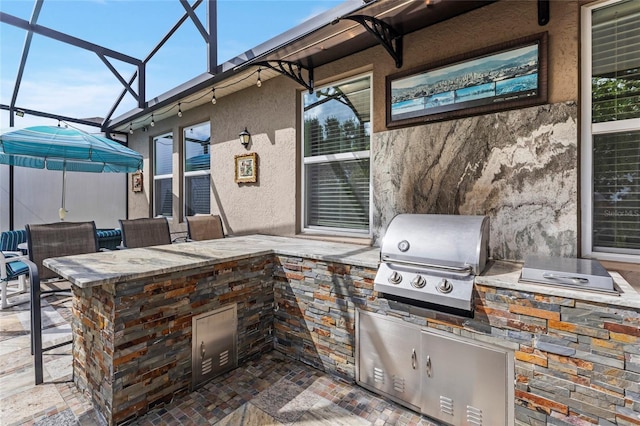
(179, 110)
(213, 100)
(259, 82)
(130, 128)
(153, 123)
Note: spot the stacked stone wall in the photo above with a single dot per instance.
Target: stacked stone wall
(132, 348)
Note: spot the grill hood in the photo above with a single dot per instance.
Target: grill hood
(457, 242)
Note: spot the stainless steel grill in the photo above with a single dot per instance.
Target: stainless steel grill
(432, 260)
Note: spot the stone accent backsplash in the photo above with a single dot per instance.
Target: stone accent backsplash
(519, 167)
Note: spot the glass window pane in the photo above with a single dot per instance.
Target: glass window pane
(197, 141)
(163, 197)
(616, 62)
(197, 195)
(337, 119)
(338, 194)
(162, 154)
(616, 191)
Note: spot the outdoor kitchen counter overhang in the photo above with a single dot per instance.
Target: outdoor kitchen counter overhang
(119, 266)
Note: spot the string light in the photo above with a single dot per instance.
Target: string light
(130, 128)
(214, 100)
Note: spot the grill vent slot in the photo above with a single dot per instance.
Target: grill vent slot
(446, 405)
(474, 416)
(398, 383)
(224, 358)
(378, 375)
(206, 366)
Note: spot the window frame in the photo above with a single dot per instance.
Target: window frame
(588, 130)
(195, 173)
(163, 176)
(329, 158)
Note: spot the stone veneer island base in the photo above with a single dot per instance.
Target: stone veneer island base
(577, 354)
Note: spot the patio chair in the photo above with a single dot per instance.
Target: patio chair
(12, 266)
(145, 232)
(45, 241)
(204, 227)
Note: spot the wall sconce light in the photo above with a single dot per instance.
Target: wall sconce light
(245, 137)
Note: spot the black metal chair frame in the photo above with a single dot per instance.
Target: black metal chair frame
(36, 291)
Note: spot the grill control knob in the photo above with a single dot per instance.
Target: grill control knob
(395, 278)
(418, 282)
(444, 286)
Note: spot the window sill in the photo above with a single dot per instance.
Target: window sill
(365, 241)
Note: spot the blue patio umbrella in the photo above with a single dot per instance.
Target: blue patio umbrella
(65, 149)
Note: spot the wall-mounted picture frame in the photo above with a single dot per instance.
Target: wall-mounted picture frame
(497, 78)
(246, 168)
(136, 182)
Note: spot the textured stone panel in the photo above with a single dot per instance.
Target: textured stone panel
(518, 167)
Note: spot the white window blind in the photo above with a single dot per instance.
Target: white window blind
(611, 148)
(337, 138)
(197, 164)
(162, 175)
(616, 62)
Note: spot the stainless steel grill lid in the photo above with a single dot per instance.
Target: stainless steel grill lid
(587, 274)
(433, 259)
(438, 240)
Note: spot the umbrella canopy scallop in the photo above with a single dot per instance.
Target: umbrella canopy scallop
(65, 149)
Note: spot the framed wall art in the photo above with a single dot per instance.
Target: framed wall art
(506, 76)
(246, 168)
(136, 182)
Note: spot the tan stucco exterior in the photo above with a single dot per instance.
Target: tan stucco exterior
(272, 114)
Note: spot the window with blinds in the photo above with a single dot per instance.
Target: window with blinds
(197, 164)
(162, 175)
(616, 62)
(614, 133)
(337, 138)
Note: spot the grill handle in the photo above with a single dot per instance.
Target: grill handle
(565, 278)
(467, 269)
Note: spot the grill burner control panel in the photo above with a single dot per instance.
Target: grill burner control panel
(451, 290)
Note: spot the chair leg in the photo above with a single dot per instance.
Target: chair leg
(3, 294)
(36, 326)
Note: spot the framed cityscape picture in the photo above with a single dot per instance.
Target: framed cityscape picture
(506, 76)
(246, 168)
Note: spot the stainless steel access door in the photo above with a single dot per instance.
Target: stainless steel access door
(466, 382)
(388, 358)
(214, 344)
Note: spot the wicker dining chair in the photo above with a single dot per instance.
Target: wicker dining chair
(52, 240)
(204, 227)
(145, 232)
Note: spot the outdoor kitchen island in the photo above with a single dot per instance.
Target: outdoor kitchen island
(577, 354)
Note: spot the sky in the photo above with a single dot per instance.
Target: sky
(69, 81)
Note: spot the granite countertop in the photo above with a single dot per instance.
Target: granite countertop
(507, 275)
(94, 269)
(117, 266)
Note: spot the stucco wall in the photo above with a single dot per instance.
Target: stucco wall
(271, 113)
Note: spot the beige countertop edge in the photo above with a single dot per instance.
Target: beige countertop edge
(507, 274)
(183, 258)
